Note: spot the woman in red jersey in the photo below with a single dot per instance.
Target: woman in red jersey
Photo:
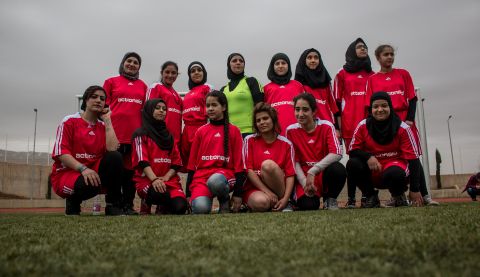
(317, 152)
(315, 79)
(268, 158)
(194, 114)
(126, 97)
(349, 92)
(398, 84)
(279, 93)
(85, 158)
(157, 160)
(382, 154)
(165, 91)
(215, 165)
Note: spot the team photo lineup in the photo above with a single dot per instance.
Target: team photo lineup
(254, 148)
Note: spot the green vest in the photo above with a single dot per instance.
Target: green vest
(240, 106)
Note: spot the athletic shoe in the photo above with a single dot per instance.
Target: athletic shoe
(330, 204)
(224, 207)
(288, 208)
(128, 210)
(162, 209)
(363, 201)
(145, 209)
(72, 207)
(351, 202)
(372, 201)
(428, 201)
(398, 201)
(112, 210)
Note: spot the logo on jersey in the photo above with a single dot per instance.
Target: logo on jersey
(85, 156)
(130, 100)
(282, 86)
(266, 152)
(91, 133)
(397, 92)
(357, 93)
(311, 141)
(162, 160)
(174, 110)
(360, 77)
(215, 158)
(323, 102)
(388, 79)
(386, 155)
(130, 83)
(192, 109)
(217, 135)
(282, 103)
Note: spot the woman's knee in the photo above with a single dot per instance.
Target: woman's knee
(218, 185)
(336, 173)
(258, 202)
(269, 167)
(201, 205)
(179, 205)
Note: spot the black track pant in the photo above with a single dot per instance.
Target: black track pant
(127, 183)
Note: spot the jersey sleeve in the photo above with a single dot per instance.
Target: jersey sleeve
(358, 139)
(334, 145)
(175, 156)
(140, 151)
(152, 92)
(331, 101)
(409, 88)
(408, 144)
(247, 153)
(338, 86)
(64, 140)
(107, 86)
(289, 165)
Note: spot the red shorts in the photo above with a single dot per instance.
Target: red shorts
(298, 189)
(199, 187)
(377, 176)
(173, 187)
(186, 142)
(248, 189)
(63, 181)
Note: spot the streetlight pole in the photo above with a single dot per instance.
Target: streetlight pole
(33, 156)
(450, 137)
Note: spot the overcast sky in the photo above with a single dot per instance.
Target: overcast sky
(51, 51)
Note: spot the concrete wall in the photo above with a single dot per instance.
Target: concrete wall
(17, 179)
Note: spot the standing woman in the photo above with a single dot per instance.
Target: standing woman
(194, 114)
(268, 158)
(315, 79)
(215, 165)
(279, 93)
(157, 160)
(317, 155)
(125, 96)
(242, 93)
(382, 153)
(349, 90)
(85, 158)
(399, 85)
(165, 91)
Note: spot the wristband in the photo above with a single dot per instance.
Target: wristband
(81, 168)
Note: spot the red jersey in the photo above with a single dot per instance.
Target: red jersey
(256, 151)
(350, 90)
(281, 97)
(326, 106)
(85, 142)
(174, 103)
(207, 148)
(145, 149)
(398, 84)
(194, 103)
(126, 99)
(312, 147)
(403, 146)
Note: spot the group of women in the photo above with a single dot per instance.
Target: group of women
(275, 147)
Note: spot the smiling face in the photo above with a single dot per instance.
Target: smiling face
(160, 111)
(215, 110)
(280, 67)
(380, 110)
(264, 123)
(304, 113)
(312, 61)
(131, 66)
(96, 102)
(196, 74)
(169, 75)
(237, 64)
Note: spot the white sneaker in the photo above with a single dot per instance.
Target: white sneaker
(428, 201)
(288, 208)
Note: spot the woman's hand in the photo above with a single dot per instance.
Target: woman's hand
(409, 123)
(272, 197)
(374, 164)
(280, 205)
(91, 177)
(310, 188)
(416, 199)
(105, 114)
(159, 185)
(236, 204)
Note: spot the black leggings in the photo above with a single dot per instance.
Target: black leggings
(333, 180)
(127, 183)
(176, 205)
(393, 178)
(110, 170)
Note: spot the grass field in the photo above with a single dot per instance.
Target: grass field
(431, 241)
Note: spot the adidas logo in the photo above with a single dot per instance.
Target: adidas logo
(360, 77)
(217, 135)
(130, 83)
(91, 133)
(282, 86)
(266, 152)
(311, 141)
(388, 79)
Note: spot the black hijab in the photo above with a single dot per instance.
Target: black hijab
(154, 129)
(353, 62)
(383, 132)
(122, 71)
(234, 78)
(274, 77)
(191, 84)
(317, 78)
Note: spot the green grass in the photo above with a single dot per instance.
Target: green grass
(431, 241)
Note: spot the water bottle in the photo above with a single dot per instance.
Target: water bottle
(97, 205)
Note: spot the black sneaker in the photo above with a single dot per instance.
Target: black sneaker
(112, 210)
(129, 210)
(72, 207)
(363, 201)
(351, 202)
(401, 200)
(372, 201)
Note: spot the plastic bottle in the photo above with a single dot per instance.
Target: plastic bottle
(97, 205)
